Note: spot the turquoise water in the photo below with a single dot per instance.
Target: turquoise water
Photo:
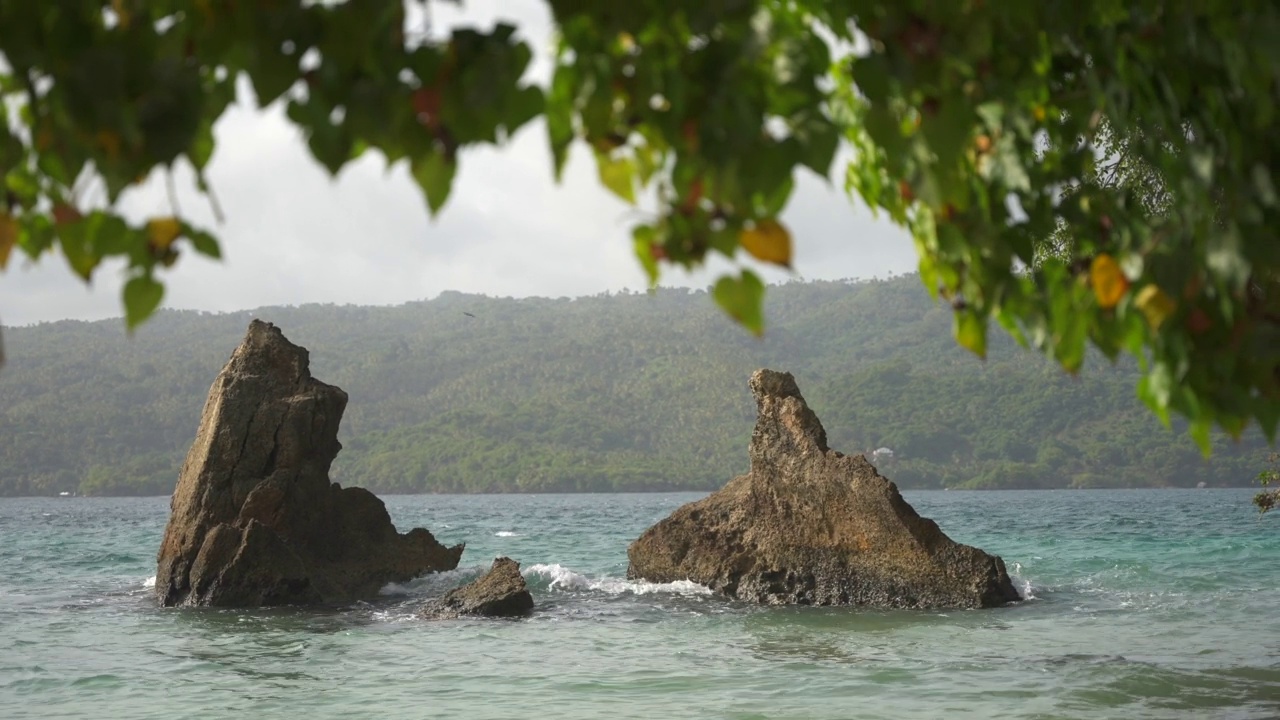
(1143, 604)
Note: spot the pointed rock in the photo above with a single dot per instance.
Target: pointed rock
(811, 526)
(254, 519)
(500, 592)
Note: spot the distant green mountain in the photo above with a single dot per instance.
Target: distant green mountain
(618, 392)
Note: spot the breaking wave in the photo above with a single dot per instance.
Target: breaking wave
(434, 583)
(1021, 582)
(556, 577)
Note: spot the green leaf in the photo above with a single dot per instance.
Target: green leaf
(36, 236)
(649, 161)
(273, 74)
(559, 110)
(23, 185)
(11, 149)
(1200, 432)
(770, 203)
(523, 105)
(971, 332)
(52, 165)
(743, 299)
(1268, 414)
(645, 238)
(619, 175)
(872, 75)
(1069, 326)
(331, 144)
(76, 243)
(818, 142)
(110, 235)
(1160, 384)
(142, 295)
(948, 128)
(201, 150)
(1148, 397)
(203, 242)
(434, 174)
(560, 131)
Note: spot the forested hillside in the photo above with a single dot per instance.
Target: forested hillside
(467, 393)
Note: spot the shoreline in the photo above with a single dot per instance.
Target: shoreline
(1250, 488)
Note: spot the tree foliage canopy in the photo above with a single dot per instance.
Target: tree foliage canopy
(1094, 172)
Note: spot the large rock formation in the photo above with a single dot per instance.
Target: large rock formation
(500, 592)
(254, 519)
(811, 526)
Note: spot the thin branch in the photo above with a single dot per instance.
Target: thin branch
(171, 188)
(206, 187)
(214, 204)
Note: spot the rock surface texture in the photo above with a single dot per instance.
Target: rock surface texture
(254, 519)
(501, 592)
(811, 526)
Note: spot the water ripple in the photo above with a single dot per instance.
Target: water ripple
(1141, 605)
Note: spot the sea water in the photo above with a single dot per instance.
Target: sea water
(1140, 604)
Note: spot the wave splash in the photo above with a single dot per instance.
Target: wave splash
(149, 582)
(1022, 583)
(559, 577)
(506, 533)
(433, 583)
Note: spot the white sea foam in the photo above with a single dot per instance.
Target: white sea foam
(149, 582)
(398, 615)
(1022, 583)
(562, 578)
(506, 533)
(434, 582)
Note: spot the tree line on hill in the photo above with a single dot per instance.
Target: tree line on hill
(616, 392)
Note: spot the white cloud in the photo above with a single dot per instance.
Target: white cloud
(292, 235)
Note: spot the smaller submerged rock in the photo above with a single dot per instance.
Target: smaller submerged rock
(501, 592)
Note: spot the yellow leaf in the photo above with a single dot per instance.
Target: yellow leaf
(1109, 284)
(8, 237)
(769, 241)
(1155, 305)
(971, 333)
(163, 231)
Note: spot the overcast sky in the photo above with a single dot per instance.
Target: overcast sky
(293, 235)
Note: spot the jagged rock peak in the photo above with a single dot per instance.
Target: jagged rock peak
(809, 525)
(255, 520)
